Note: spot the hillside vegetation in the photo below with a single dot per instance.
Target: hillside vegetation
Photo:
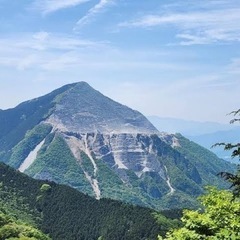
(64, 213)
(12, 229)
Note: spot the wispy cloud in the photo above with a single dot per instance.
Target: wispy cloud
(91, 14)
(196, 27)
(234, 66)
(46, 51)
(49, 6)
(37, 50)
(49, 41)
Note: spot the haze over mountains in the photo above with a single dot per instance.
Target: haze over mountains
(204, 133)
(81, 138)
(188, 127)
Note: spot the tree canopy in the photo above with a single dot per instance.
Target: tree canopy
(13, 229)
(219, 218)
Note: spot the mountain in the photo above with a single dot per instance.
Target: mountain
(79, 137)
(65, 213)
(205, 134)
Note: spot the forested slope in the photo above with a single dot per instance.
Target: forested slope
(64, 213)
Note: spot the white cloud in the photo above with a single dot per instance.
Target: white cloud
(48, 41)
(42, 49)
(234, 66)
(49, 6)
(100, 6)
(42, 36)
(197, 27)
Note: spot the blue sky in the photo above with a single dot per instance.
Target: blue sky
(168, 58)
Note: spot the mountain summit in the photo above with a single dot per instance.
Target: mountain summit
(83, 109)
(78, 137)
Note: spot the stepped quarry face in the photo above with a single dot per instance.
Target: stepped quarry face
(119, 151)
(122, 153)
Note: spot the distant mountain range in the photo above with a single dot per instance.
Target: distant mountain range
(205, 134)
(79, 137)
(187, 127)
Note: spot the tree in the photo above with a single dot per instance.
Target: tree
(15, 229)
(220, 218)
(234, 179)
(45, 188)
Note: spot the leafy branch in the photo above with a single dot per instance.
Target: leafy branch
(234, 179)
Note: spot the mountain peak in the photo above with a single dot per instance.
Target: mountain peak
(83, 109)
(82, 85)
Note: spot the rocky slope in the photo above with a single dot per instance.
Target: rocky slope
(82, 109)
(77, 136)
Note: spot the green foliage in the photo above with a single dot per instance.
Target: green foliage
(153, 185)
(17, 198)
(65, 213)
(167, 222)
(14, 123)
(86, 164)
(57, 163)
(234, 179)
(45, 188)
(32, 139)
(179, 178)
(219, 219)
(13, 229)
(112, 186)
(209, 169)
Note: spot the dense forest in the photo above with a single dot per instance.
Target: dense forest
(65, 213)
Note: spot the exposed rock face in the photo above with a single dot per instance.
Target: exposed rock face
(121, 153)
(84, 110)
